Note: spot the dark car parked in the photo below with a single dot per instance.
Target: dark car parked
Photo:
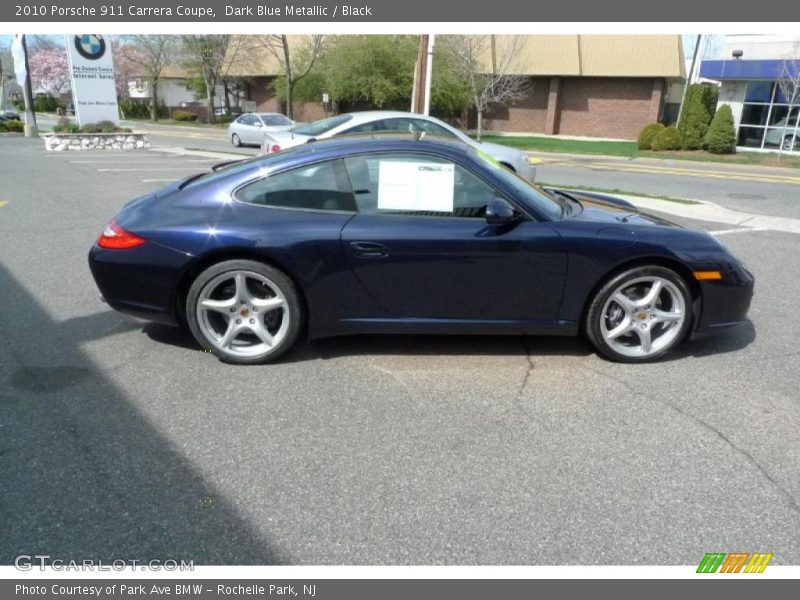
(405, 235)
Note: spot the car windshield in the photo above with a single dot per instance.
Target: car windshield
(322, 126)
(274, 120)
(532, 193)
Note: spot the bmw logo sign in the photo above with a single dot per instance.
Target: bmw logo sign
(90, 47)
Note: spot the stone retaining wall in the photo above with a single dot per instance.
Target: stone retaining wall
(96, 141)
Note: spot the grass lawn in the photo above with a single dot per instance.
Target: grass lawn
(630, 150)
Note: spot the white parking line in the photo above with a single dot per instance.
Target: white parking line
(154, 180)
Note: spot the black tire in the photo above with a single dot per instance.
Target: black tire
(236, 140)
(291, 310)
(594, 315)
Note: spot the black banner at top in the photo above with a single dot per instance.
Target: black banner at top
(326, 11)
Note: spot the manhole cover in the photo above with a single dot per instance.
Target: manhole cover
(747, 197)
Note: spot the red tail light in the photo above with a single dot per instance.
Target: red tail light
(275, 148)
(115, 237)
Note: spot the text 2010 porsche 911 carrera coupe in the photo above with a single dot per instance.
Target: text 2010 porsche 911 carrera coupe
(406, 235)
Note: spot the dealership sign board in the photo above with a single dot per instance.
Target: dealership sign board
(92, 75)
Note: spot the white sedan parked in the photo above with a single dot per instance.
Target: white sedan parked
(383, 120)
(249, 128)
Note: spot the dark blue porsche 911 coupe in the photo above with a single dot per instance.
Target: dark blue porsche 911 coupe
(406, 235)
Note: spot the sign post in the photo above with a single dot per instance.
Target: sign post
(92, 74)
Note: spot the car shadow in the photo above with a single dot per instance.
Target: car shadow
(85, 474)
(466, 345)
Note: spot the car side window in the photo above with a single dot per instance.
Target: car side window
(398, 124)
(366, 128)
(433, 129)
(321, 186)
(416, 184)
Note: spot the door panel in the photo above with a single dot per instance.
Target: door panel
(457, 268)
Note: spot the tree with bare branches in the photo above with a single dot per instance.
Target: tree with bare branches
(296, 62)
(207, 54)
(488, 68)
(151, 53)
(789, 86)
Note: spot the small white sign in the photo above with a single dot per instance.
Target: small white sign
(92, 76)
(417, 186)
(325, 98)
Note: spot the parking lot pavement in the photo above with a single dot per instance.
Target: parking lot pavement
(121, 439)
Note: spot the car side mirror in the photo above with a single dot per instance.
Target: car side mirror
(258, 124)
(500, 212)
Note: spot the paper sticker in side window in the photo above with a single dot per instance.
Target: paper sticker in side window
(416, 186)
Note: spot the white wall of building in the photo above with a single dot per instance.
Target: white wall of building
(756, 47)
(172, 92)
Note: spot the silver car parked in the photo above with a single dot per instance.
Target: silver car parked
(249, 128)
(382, 121)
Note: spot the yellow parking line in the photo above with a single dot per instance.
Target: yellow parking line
(3, 203)
(689, 173)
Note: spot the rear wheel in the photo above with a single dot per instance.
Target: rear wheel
(236, 140)
(640, 314)
(244, 311)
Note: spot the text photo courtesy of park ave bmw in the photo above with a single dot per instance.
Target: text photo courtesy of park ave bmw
(330, 300)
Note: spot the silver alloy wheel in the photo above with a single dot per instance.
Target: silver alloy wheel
(789, 143)
(236, 140)
(243, 313)
(643, 316)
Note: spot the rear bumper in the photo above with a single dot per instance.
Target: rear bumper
(724, 303)
(141, 282)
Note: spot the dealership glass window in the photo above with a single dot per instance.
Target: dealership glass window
(766, 122)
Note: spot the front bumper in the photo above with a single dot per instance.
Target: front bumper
(724, 303)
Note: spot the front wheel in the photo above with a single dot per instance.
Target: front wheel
(244, 311)
(236, 140)
(640, 314)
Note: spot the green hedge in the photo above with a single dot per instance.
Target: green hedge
(12, 126)
(721, 135)
(184, 115)
(669, 139)
(648, 134)
(45, 103)
(698, 109)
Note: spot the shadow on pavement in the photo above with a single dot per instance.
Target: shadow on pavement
(84, 475)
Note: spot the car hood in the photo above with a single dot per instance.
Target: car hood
(610, 209)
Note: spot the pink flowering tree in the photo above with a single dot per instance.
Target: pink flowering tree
(50, 70)
(126, 66)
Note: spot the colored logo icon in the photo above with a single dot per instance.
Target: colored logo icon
(735, 562)
(89, 46)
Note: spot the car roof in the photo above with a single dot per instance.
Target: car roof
(367, 143)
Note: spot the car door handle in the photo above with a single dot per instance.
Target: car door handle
(369, 249)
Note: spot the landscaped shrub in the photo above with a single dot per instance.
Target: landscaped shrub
(698, 109)
(184, 115)
(131, 108)
(91, 128)
(648, 134)
(721, 135)
(45, 103)
(64, 125)
(668, 139)
(12, 126)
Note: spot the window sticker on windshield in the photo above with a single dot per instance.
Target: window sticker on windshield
(427, 186)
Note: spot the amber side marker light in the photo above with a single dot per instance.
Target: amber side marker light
(707, 275)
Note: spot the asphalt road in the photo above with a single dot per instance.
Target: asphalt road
(121, 439)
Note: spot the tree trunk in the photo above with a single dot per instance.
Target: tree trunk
(290, 99)
(227, 99)
(210, 98)
(154, 105)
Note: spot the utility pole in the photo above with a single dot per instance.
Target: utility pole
(19, 50)
(421, 75)
(428, 78)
